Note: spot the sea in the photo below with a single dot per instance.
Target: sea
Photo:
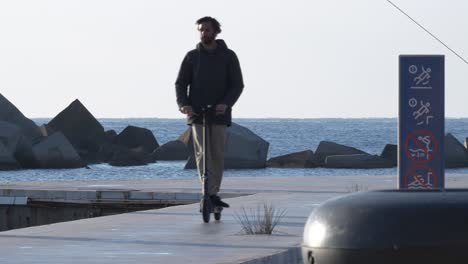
(284, 135)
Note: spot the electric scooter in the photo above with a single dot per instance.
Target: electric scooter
(206, 206)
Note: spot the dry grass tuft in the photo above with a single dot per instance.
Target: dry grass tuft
(356, 188)
(259, 221)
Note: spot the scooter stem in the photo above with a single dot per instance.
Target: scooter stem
(205, 161)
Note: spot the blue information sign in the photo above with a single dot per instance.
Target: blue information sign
(421, 122)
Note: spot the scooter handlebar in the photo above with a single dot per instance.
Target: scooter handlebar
(207, 108)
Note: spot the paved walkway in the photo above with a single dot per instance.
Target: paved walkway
(177, 234)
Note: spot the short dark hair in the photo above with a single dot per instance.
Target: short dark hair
(212, 20)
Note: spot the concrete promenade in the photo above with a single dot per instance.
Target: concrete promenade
(177, 234)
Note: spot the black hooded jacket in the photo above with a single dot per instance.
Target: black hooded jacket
(209, 77)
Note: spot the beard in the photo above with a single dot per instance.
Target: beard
(207, 40)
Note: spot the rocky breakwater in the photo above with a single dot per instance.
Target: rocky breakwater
(19, 136)
(72, 139)
(333, 155)
(75, 138)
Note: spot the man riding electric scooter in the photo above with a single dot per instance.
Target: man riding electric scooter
(207, 86)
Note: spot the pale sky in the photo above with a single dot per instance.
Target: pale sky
(300, 58)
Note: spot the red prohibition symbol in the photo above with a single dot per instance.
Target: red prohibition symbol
(420, 177)
(420, 146)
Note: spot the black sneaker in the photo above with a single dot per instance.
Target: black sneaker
(217, 201)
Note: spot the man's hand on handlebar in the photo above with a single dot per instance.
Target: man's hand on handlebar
(221, 109)
(187, 109)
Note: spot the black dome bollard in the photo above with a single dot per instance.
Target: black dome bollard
(389, 226)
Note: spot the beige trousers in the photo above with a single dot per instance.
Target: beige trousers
(214, 154)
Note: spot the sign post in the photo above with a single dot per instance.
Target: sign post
(421, 122)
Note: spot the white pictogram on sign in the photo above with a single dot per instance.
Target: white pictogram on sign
(422, 113)
(413, 102)
(413, 69)
(421, 146)
(422, 78)
(427, 141)
(420, 177)
(420, 182)
(422, 153)
(419, 154)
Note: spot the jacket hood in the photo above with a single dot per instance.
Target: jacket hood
(220, 42)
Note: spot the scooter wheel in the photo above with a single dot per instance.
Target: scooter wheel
(206, 211)
(217, 216)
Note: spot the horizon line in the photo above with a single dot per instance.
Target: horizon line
(183, 118)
